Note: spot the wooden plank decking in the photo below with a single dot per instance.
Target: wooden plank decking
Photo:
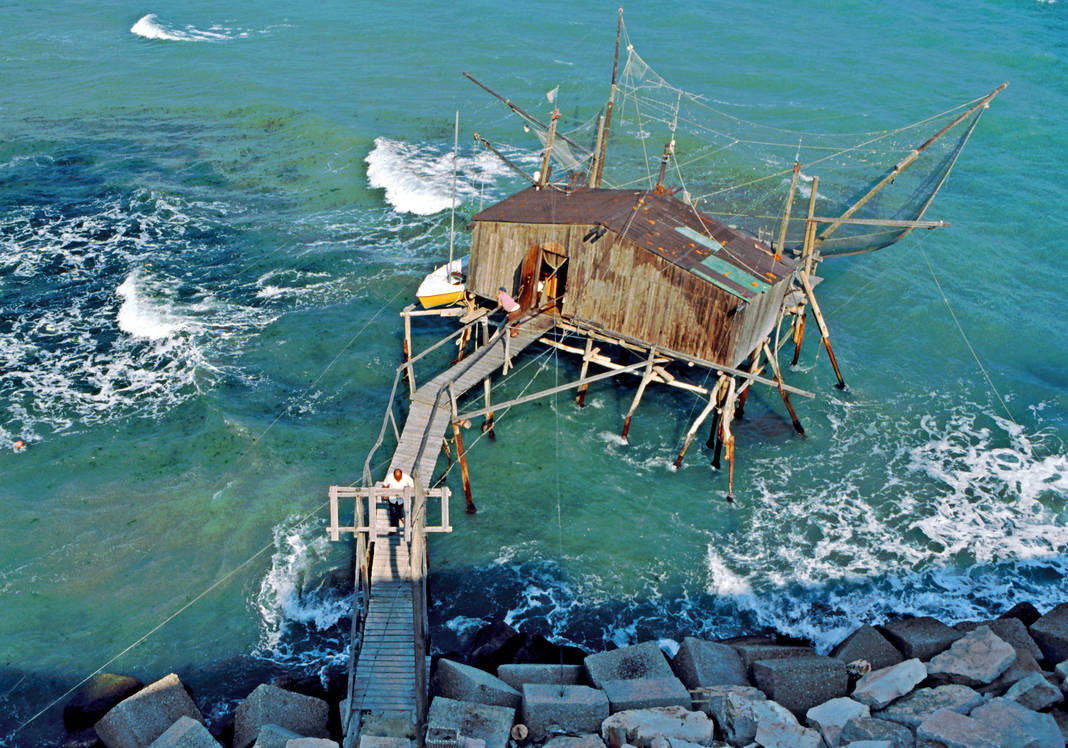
(385, 671)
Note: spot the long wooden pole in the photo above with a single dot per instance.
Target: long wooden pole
(646, 376)
(599, 171)
(524, 114)
(908, 160)
(823, 327)
(711, 406)
(782, 393)
(461, 453)
(786, 211)
(543, 176)
(580, 399)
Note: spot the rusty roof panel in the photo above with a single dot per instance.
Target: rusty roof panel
(661, 223)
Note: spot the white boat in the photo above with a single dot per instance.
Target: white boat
(445, 285)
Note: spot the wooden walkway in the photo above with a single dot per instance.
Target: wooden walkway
(385, 671)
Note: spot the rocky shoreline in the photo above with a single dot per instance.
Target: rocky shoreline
(912, 682)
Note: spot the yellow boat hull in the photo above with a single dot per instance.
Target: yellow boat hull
(441, 298)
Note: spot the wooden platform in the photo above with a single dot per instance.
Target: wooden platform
(385, 678)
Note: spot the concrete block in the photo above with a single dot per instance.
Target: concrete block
(139, 719)
(1026, 612)
(870, 728)
(880, 687)
(1011, 630)
(482, 721)
(517, 676)
(733, 709)
(645, 693)
(870, 744)
(830, 717)
(568, 709)
(96, 698)
(312, 743)
(465, 683)
(778, 728)
(273, 736)
(699, 664)
(867, 644)
(912, 709)
(919, 638)
(1035, 692)
(575, 741)
(751, 652)
(641, 726)
(304, 715)
(381, 741)
(948, 729)
(185, 733)
(975, 659)
(1018, 726)
(1021, 667)
(800, 683)
(1050, 633)
(643, 660)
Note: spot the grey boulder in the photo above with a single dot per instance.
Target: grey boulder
(139, 719)
(304, 715)
(977, 658)
(454, 680)
(921, 638)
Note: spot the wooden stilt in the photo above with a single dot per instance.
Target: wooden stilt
(754, 368)
(646, 376)
(711, 406)
(461, 345)
(823, 326)
(461, 455)
(408, 352)
(728, 437)
(799, 333)
(778, 383)
(487, 425)
(717, 448)
(580, 399)
(447, 451)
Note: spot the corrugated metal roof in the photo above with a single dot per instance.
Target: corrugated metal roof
(660, 223)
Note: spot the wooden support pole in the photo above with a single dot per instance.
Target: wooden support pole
(487, 425)
(580, 399)
(780, 244)
(799, 333)
(447, 451)
(711, 406)
(408, 352)
(823, 327)
(778, 381)
(754, 368)
(646, 376)
(728, 437)
(461, 454)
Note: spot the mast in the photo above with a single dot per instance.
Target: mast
(543, 176)
(452, 218)
(606, 126)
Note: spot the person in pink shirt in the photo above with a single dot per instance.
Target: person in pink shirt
(510, 306)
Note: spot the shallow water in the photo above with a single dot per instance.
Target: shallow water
(210, 219)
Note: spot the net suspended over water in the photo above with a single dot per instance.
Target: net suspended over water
(741, 171)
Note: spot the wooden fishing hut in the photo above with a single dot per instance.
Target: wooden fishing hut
(636, 264)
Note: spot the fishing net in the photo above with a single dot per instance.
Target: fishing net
(740, 171)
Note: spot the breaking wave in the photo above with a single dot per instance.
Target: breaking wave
(150, 26)
(302, 621)
(112, 316)
(418, 179)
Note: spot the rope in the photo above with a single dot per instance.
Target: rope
(964, 336)
(228, 575)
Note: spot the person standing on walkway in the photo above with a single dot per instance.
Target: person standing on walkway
(395, 504)
(511, 308)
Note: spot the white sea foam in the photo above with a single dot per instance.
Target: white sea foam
(122, 342)
(418, 179)
(283, 599)
(150, 26)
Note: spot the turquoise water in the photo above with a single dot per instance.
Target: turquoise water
(209, 225)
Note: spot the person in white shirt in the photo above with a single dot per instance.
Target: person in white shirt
(395, 504)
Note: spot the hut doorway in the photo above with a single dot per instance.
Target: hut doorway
(542, 278)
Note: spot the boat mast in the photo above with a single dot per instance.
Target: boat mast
(452, 218)
(606, 123)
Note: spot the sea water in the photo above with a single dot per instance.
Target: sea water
(210, 219)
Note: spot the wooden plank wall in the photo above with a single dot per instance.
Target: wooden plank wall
(628, 290)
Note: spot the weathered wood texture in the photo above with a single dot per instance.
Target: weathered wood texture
(621, 286)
